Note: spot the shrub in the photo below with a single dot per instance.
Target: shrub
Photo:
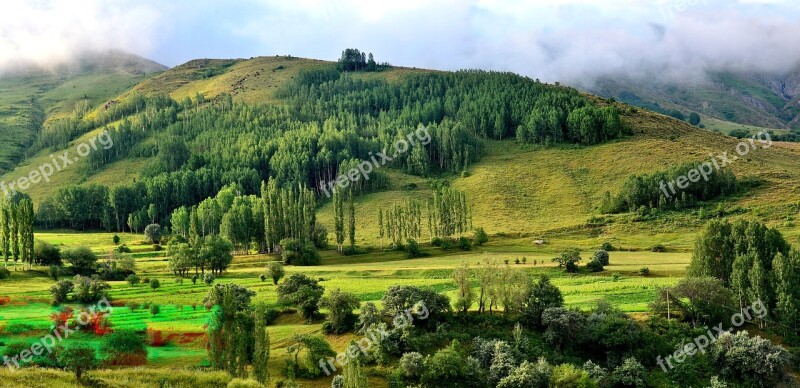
(413, 249)
(301, 291)
(155, 338)
(133, 306)
(658, 248)
(340, 305)
(436, 241)
(133, 279)
(115, 239)
(630, 374)
(594, 266)
(123, 347)
(153, 233)
(54, 272)
(464, 243)
(244, 383)
(4, 274)
(82, 259)
(516, 260)
(567, 375)
(411, 366)
(208, 279)
(569, 260)
(606, 246)
(157, 248)
(155, 309)
(481, 237)
(194, 279)
(123, 249)
(644, 271)
(146, 280)
(262, 277)
(601, 256)
(616, 276)
(45, 253)
(524, 260)
(155, 284)
(77, 358)
(59, 292)
(275, 271)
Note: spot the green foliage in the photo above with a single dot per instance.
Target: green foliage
(528, 374)
(698, 300)
(155, 309)
(123, 347)
(133, 279)
(694, 118)
(77, 358)
(303, 292)
(4, 273)
(275, 271)
(568, 260)
(153, 233)
(543, 295)
(755, 360)
(398, 299)
(340, 306)
(480, 236)
(630, 374)
(449, 368)
(155, 284)
(570, 376)
(601, 256)
(315, 348)
(82, 259)
(413, 249)
(594, 266)
(653, 191)
(368, 316)
(46, 254)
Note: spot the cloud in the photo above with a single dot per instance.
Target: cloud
(574, 41)
(48, 32)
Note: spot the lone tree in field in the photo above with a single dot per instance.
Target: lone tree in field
(275, 271)
(77, 358)
(153, 233)
(569, 260)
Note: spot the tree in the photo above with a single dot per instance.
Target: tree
(448, 368)
(303, 292)
(568, 260)
(338, 218)
(153, 233)
(543, 295)
(90, 290)
(698, 300)
(480, 236)
(601, 256)
(630, 374)
(82, 259)
(787, 289)
(182, 257)
(529, 375)
(216, 252)
(340, 307)
(261, 345)
(45, 253)
(694, 118)
(77, 358)
(398, 299)
(123, 347)
(569, 376)
(351, 210)
(60, 291)
(488, 277)
(368, 316)
(315, 347)
(465, 295)
(275, 271)
(755, 360)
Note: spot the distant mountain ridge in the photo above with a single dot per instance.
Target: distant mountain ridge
(749, 98)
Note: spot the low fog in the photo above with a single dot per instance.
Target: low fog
(571, 41)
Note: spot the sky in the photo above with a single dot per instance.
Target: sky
(574, 41)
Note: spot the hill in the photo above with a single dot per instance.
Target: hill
(745, 98)
(30, 96)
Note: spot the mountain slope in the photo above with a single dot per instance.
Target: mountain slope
(757, 99)
(516, 189)
(30, 96)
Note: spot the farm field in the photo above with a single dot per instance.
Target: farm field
(26, 312)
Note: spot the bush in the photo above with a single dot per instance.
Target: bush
(567, 375)
(155, 284)
(208, 279)
(90, 290)
(413, 249)
(194, 279)
(53, 272)
(606, 246)
(601, 256)
(153, 233)
(157, 248)
(82, 259)
(133, 306)
(155, 309)
(146, 280)
(464, 243)
(616, 276)
(45, 253)
(59, 292)
(133, 279)
(77, 358)
(275, 271)
(244, 383)
(340, 305)
(644, 271)
(658, 248)
(630, 374)
(123, 249)
(115, 239)
(594, 266)
(481, 237)
(123, 347)
(262, 277)
(436, 242)
(411, 366)
(4, 274)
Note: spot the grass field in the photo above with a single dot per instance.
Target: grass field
(182, 318)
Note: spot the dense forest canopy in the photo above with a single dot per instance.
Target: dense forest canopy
(329, 120)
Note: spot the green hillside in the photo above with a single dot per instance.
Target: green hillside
(515, 188)
(29, 97)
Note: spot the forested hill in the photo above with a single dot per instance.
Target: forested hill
(182, 135)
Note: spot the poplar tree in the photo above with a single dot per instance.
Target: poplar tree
(352, 219)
